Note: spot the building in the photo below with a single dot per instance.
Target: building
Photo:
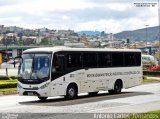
(14, 51)
(113, 44)
(30, 40)
(75, 45)
(9, 39)
(110, 37)
(1, 28)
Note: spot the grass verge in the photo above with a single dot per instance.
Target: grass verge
(148, 115)
(150, 81)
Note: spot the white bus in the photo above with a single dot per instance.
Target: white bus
(62, 71)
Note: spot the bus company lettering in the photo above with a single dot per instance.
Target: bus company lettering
(113, 74)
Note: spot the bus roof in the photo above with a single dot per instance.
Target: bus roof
(63, 48)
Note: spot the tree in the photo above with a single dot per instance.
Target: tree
(45, 41)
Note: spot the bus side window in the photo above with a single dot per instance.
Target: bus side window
(74, 60)
(58, 63)
(90, 60)
(104, 59)
(61, 61)
(117, 59)
(55, 64)
(138, 59)
(130, 59)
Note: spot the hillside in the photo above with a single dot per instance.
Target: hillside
(140, 34)
(135, 35)
(90, 33)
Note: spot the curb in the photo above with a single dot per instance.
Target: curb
(8, 93)
(155, 78)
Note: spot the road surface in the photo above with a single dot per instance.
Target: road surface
(134, 100)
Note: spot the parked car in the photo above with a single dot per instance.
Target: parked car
(148, 61)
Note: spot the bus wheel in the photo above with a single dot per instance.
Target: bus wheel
(93, 93)
(117, 87)
(43, 98)
(71, 92)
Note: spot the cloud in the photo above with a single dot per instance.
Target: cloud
(110, 15)
(7, 2)
(117, 1)
(96, 13)
(4, 3)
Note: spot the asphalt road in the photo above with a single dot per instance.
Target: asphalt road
(134, 100)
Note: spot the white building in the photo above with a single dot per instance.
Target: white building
(30, 40)
(75, 45)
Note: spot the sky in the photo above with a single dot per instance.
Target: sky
(111, 16)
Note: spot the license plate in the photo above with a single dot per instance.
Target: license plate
(30, 93)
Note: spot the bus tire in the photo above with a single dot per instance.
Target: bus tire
(43, 98)
(93, 93)
(117, 87)
(71, 92)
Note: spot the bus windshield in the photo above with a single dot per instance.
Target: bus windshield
(35, 66)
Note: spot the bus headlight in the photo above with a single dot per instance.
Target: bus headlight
(44, 86)
(18, 85)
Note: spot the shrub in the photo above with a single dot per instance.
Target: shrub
(4, 78)
(13, 77)
(151, 73)
(7, 78)
(8, 85)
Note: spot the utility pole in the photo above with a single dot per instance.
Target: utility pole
(146, 32)
(6, 41)
(159, 32)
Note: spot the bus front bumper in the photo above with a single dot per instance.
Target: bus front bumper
(32, 90)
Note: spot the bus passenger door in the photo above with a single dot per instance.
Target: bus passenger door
(58, 70)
